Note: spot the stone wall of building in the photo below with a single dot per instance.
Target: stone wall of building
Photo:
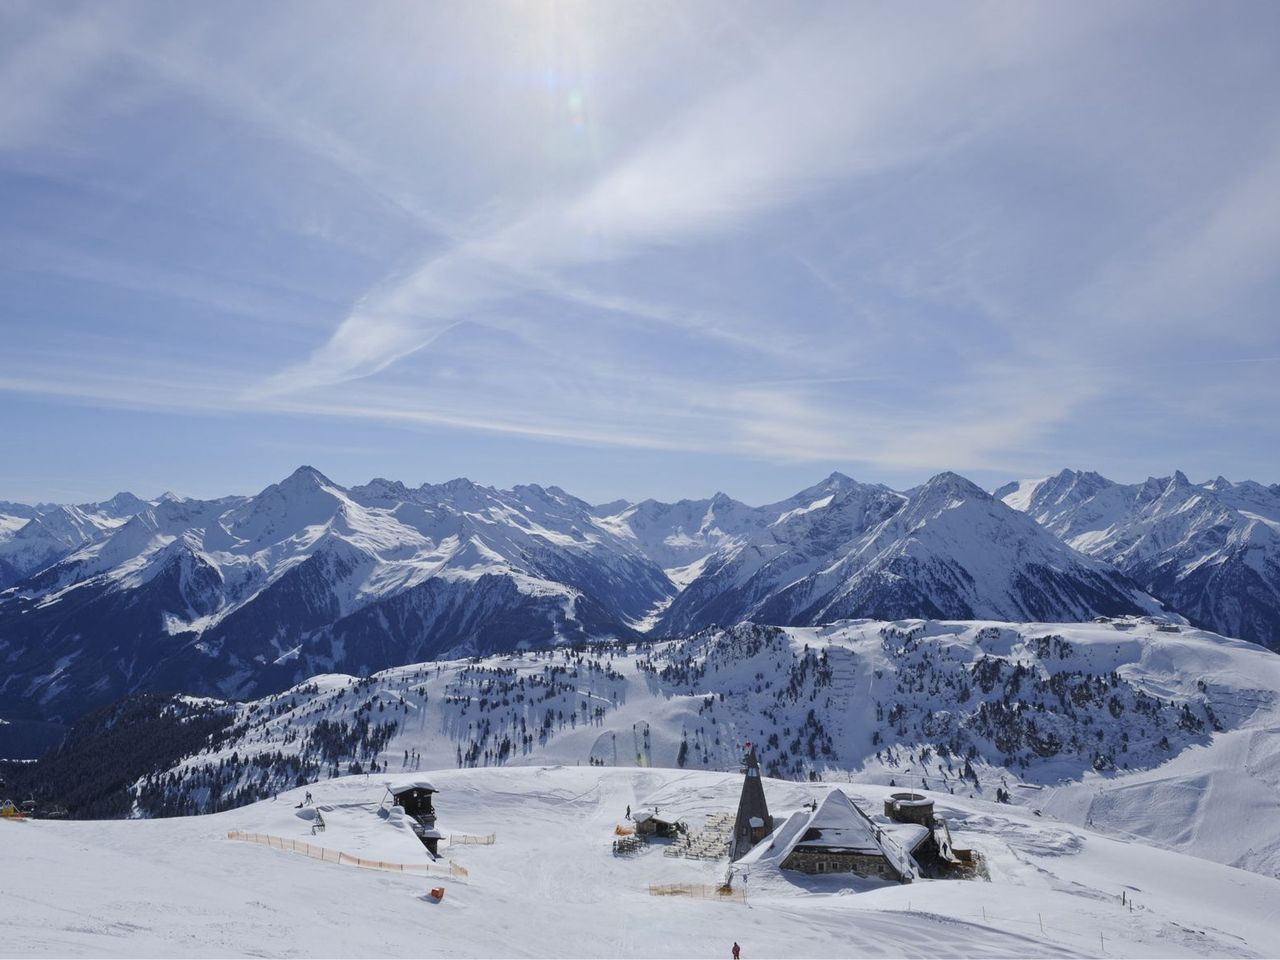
(909, 808)
(832, 861)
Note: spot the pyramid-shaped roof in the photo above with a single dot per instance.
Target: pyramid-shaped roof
(838, 825)
(753, 809)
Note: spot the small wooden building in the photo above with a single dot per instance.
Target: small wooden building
(650, 824)
(414, 797)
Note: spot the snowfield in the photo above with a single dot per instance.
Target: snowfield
(550, 886)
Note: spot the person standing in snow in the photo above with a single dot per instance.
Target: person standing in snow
(737, 950)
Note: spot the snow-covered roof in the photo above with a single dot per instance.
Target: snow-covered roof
(400, 786)
(910, 800)
(838, 824)
(908, 835)
(640, 816)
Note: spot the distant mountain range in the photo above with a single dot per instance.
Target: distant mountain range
(244, 595)
(1210, 551)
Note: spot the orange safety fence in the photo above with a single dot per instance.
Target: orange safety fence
(463, 838)
(337, 856)
(704, 891)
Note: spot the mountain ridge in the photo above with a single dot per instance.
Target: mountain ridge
(1211, 550)
(241, 595)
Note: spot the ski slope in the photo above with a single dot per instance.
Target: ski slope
(550, 885)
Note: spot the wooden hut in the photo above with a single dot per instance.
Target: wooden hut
(414, 797)
(650, 824)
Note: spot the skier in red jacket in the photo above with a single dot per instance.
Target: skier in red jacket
(737, 950)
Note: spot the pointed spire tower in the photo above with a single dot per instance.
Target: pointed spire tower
(753, 823)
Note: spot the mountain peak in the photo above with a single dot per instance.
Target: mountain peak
(123, 502)
(380, 491)
(949, 482)
(1079, 485)
(306, 477)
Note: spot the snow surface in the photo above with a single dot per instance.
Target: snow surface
(550, 885)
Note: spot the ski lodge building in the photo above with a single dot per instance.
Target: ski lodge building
(837, 837)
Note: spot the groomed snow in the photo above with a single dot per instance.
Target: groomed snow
(550, 885)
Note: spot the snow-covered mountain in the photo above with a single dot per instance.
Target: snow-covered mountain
(244, 595)
(1116, 782)
(33, 537)
(247, 594)
(1211, 551)
(943, 549)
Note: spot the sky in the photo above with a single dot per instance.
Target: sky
(635, 250)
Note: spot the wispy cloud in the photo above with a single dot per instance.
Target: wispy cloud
(49, 57)
(899, 238)
(734, 156)
(1200, 267)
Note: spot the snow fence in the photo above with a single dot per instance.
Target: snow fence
(460, 839)
(703, 891)
(337, 856)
